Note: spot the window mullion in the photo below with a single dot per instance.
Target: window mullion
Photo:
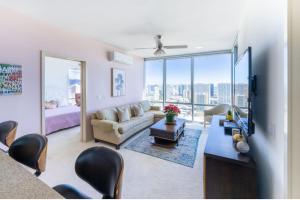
(164, 81)
(192, 85)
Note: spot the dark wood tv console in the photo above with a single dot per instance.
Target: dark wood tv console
(226, 172)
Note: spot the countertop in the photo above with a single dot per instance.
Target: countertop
(220, 145)
(18, 183)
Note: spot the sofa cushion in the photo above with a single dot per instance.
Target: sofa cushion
(128, 107)
(138, 110)
(131, 110)
(135, 121)
(108, 114)
(146, 105)
(123, 114)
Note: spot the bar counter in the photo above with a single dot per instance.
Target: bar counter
(18, 183)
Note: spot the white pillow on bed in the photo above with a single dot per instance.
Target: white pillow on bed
(63, 103)
(51, 104)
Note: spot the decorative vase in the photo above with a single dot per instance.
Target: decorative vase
(229, 117)
(170, 118)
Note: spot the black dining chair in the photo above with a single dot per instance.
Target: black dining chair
(30, 150)
(8, 131)
(100, 167)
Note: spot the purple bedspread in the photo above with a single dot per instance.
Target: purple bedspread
(61, 118)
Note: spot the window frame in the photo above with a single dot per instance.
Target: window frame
(192, 63)
(163, 77)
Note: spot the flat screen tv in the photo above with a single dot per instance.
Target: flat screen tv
(243, 92)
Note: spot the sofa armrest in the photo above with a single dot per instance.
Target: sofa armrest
(105, 125)
(155, 108)
(207, 112)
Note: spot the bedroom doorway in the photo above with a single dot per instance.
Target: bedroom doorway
(63, 96)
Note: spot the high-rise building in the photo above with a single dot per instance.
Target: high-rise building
(212, 90)
(213, 100)
(224, 93)
(156, 93)
(241, 89)
(201, 93)
(241, 101)
(181, 89)
(201, 99)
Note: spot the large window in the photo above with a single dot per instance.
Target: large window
(212, 82)
(178, 80)
(154, 80)
(194, 83)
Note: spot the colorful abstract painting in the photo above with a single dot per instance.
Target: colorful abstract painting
(118, 82)
(10, 79)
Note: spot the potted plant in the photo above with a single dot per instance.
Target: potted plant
(171, 112)
(229, 116)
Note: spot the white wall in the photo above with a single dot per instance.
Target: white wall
(263, 28)
(22, 39)
(294, 98)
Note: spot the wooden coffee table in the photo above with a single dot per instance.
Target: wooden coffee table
(165, 134)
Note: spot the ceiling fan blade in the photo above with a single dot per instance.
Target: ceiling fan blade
(159, 52)
(176, 47)
(157, 39)
(145, 48)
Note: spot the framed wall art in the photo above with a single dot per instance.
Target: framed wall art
(10, 79)
(118, 82)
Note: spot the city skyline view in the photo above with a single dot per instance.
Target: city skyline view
(211, 83)
(181, 93)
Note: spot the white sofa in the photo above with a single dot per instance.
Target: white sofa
(107, 128)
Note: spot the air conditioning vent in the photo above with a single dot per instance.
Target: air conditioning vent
(120, 58)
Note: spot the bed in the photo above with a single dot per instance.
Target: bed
(61, 118)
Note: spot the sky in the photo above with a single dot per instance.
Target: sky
(207, 69)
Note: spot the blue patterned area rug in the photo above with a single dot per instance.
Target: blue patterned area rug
(184, 153)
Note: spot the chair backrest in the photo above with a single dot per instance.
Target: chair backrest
(222, 108)
(102, 168)
(31, 151)
(8, 131)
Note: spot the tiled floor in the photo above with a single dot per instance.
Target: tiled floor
(144, 176)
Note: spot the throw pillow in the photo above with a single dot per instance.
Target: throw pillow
(146, 105)
(100, 115)
(138, 110)
(50, 104)
(123, 114)
(108, 114)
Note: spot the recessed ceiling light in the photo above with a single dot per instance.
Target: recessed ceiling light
(199, 47)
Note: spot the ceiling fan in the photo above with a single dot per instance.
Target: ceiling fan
(159, 49)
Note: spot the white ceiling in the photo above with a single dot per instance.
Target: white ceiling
(128, 24)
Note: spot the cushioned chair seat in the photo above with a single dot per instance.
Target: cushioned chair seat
(69, 192)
